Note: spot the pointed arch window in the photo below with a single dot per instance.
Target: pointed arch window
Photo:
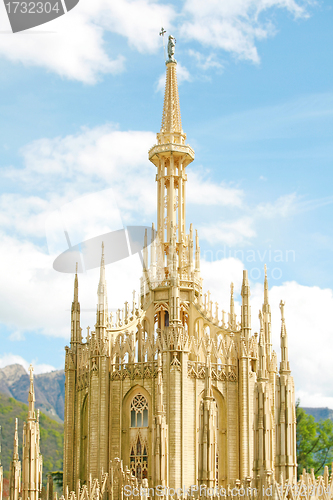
(139, 411)
(139, 459)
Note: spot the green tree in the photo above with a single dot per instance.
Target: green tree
(314, 442)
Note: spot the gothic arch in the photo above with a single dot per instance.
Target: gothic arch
(141, 457)
(220, 421)
(222, 441)
(84, 441)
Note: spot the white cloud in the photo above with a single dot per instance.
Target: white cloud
(218, 276)
(308, 323)
(310, 332)
(12, 359)
(38, 299)
(284, 206)
(91, 160)
(203, 191)
(233, 25)
(74, 47)
(229, 233)
(205, 62)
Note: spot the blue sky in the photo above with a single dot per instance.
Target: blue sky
(81, 103)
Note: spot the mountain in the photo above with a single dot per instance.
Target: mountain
(319, 413)
(51, 435)
(49, 389)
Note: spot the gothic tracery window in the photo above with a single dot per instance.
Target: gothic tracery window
(139, 411)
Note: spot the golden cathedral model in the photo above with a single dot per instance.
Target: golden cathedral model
(178, 394)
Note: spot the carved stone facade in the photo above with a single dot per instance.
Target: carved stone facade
(181, 395)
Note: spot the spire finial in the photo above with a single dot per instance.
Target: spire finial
(102, 269)
(284, 365)
(102, 306)
(15, 453)
(282, 304)
(31, 397)
(76, 286)
(265, 287)
(171, 50)
(171, 121)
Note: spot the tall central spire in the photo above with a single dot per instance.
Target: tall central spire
(171, 156)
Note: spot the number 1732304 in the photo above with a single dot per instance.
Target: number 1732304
(32, 7)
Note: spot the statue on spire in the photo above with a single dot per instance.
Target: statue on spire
(171, 49)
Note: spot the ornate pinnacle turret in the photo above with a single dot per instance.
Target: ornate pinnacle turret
(76, 286)
(102, 282)
(171, 156)
(266, 311)
(15, 451)
(75, 313)
(171, 121)
(102, 304)
(284, 365)
(159, 398)
(31, 397)
(262, 373)
(246, 308)
(101, 291)
(15, 469)
(197, 253)
(232, 315)
(265, 287)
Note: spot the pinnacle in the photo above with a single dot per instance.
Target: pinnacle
(171, 121)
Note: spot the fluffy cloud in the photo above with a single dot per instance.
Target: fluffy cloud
(77, 39)
(203, 191)
(39, 298)
(308, 322)
(232, 233)
(309, 328)
(83, 164)
(234, 25)
(12, 359)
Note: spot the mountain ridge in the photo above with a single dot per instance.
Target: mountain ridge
(49, 389)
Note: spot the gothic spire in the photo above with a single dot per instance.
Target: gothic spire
(171, 156)
(232, 315)
(101, 291)
(31, 397)
(102, 305)
(284, 365)
(246, 309)
(15, 452)
(171, 121)
(266, 287)
(76, 287)
(75, 313)
(266, 311)
(262, 374)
